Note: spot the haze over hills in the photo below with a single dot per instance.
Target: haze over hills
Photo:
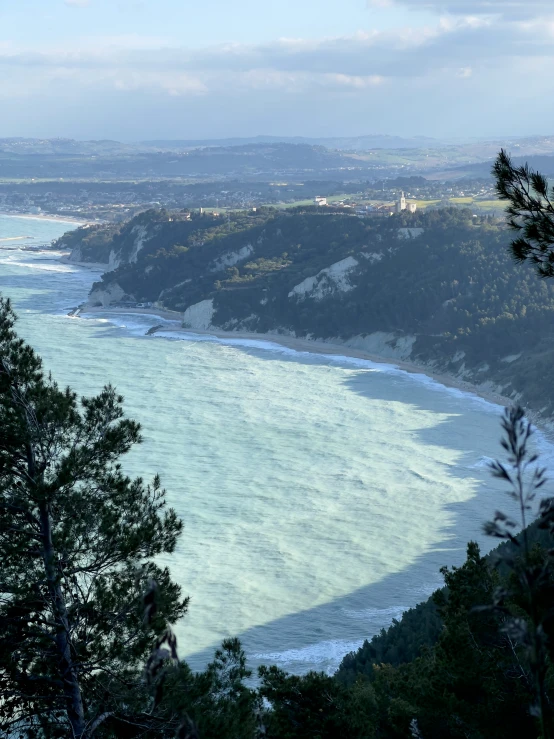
(259, 158)
(347, 143)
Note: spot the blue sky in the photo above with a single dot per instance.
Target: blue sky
(138, 69)
(195, 23)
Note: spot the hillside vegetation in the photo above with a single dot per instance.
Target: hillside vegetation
(438, 288)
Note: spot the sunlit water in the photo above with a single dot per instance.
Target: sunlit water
(320, 495)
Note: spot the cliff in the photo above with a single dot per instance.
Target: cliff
(436, 288)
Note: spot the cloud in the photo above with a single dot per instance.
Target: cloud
(451, 44)
(478, 68)
(175, 85)
(77, 3)
(512, 8)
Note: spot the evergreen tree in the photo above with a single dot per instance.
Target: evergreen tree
(214, 704)
(530, 212)
(77, 542)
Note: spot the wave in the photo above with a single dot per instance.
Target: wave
(136, 328)
(135, 323)
(45, 266)
(358, 362)
(382, 615)
(326, 654)
(263, 344)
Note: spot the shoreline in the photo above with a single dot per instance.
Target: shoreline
(311, 346)
(97, 266)
(48, 217)
(332, 349)
(168, 315)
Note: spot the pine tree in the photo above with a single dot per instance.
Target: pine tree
(77, 542)
(530, 212)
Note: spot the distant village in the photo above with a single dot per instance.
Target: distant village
(115, 202)
(371, 209)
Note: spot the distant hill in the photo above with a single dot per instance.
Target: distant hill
(351, 143)
(345, 159)
(62, 158)
(63, 147)
(543, 163)
(436, 288)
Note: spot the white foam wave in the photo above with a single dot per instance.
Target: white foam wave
(262, 344)
(135, 323)
(544, 445)
(45, 266)
(326, 653)
(381, 615)
(366, 364)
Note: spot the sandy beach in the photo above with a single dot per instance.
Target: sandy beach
(313, 347)
(45, 217)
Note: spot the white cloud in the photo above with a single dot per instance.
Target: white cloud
(175, 85)
(449, 70)
(518, 8)
(452, 43)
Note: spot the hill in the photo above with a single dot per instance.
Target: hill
(436, 288)
(347, 143)
(55, 158)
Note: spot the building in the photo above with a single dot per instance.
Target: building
(364, 210)
(401, 205)
(318, 200)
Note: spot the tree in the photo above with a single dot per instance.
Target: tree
(531, 585)
(215, 704)
(77, 542)
(316, 705)
(530, 212)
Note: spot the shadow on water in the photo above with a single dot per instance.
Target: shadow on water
(317, 638)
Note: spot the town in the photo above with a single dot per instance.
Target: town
(120, 201)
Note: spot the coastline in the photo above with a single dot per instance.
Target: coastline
(100, 266)
(332, 349)
(41, 217)
(311, 346)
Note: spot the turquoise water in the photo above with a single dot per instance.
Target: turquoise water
(320, 496)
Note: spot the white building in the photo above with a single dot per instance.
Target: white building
(401, 205)
(319, 200)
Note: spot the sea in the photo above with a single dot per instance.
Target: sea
(320, 495)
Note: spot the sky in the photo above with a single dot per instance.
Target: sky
(191, 69)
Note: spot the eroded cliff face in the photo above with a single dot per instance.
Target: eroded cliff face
(107, 296)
